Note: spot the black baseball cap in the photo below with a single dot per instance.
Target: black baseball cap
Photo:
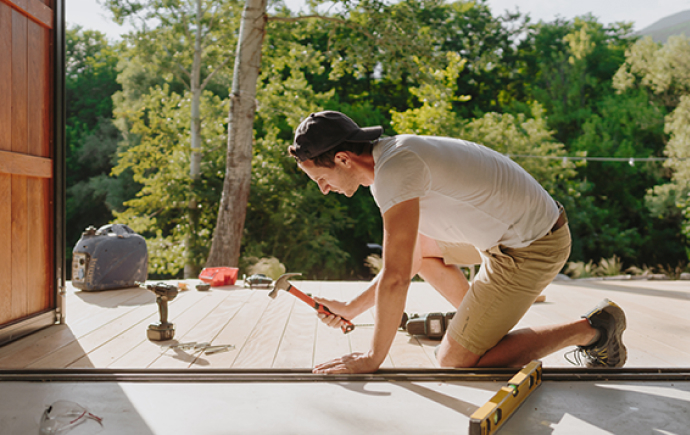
(323, 131)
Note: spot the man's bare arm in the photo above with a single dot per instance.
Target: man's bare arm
(400, 234)
(351, 309)
(400, 227)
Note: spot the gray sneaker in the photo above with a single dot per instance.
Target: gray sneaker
(609, 350)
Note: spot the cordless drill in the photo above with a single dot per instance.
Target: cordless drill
(430, 325)
(162, 330)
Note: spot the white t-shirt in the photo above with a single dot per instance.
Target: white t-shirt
(468, 193)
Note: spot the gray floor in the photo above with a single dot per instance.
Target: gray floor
(607, 407)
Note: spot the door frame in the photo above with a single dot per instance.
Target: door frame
(59, 163)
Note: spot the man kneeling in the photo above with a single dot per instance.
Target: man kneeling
(445, 202)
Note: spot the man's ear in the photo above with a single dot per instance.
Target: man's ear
(342, 157)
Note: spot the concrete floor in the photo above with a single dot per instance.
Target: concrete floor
(106, 331)
(342, 407)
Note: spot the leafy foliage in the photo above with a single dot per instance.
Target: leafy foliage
(572, 64)
(580, 269)
(159, 162)
(545, 90)
(436, 93)
(662, 72)
(606, 267)
(90, 81)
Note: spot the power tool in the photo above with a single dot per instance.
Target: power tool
(165, 293)
(430, 325)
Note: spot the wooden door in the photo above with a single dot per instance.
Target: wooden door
(27, 153)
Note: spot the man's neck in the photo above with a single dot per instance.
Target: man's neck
(364, 165)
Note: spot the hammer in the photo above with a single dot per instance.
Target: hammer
(283, 284)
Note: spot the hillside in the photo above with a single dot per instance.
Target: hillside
(675, 24)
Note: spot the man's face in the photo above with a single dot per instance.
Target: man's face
(339, 179)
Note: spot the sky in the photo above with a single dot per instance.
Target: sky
(90, 15)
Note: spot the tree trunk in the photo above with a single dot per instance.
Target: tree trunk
(227, 237)
(191, 240)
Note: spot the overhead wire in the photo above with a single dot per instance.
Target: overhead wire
(630, 160)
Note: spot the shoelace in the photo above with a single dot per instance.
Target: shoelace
(577, 354)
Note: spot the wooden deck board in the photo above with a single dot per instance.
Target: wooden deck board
(261, 346)
(146, 353)
(296, 349)
(81, 346)
(331, 343)
(203, 332)
(108, 329)
(124, 338)
(238, 330)
(654, 337)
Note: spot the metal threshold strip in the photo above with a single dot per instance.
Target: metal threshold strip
(305, 375)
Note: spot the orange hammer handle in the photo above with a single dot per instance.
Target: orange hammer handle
(320, 308)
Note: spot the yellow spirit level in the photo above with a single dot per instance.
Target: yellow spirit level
(491, 416)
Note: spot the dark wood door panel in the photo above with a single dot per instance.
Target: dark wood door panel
(26, 166)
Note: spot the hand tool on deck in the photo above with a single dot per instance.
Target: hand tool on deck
(494, 413)
(283, 284)
(205, 347)
(162, 330)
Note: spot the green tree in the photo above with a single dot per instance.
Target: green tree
(363, 38)
(287, 217)
(568, 66)
(515, 136)
(624, 126)
(436, 116)
(189, 42)
(494, 60)
(160, 162)
(662, 71)
(90, 80)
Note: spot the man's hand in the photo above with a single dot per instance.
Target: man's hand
(340, 310)
(350, 364)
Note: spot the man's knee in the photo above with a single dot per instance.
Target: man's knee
(451, 354)
(428, 246)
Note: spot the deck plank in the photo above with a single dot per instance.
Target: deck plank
(24, 352)
(203, 332)
(108, 329)
(104, 312)
(125, 338)
(238, 330)
(330, 343)
(296, 349)
(407, 352)
(655, 330)
(91, 341)
(259, 351)
(184, 318)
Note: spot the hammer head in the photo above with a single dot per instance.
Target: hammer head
(281, 284)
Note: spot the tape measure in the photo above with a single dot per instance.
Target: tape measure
(494, 413)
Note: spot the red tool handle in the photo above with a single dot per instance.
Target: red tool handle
(321, 308)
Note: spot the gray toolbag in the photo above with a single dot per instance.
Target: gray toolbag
(111, 257)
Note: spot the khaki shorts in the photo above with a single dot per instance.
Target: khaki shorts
(508, 282)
